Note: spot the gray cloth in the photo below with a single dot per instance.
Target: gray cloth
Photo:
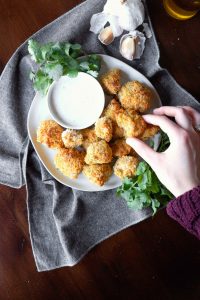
(65, 223)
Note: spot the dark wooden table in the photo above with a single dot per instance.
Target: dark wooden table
(155, 259)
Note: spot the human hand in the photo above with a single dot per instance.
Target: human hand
(178, 168)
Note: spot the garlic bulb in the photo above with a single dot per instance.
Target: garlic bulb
(106, 36)
(132, 45)
(120, 14)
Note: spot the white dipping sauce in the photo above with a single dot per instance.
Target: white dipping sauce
(76, 103)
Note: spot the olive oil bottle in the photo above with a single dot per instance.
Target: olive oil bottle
(182, 9)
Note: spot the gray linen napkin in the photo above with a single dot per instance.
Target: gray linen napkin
(65, 223)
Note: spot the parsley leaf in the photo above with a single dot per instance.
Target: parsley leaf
(57, 59)
(145, 189)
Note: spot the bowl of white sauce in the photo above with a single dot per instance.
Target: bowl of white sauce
(76, 103)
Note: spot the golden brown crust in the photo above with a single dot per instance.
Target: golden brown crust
(118, 132)
(89, 137)
(70, 162)
(72, 139)
(126, 166)
(49, 133)
(98, 153)
(149, 132)
(120, 148)
(98, 174)
(133, 127)
(113, 108)
(104, 129)
(110, 81)
(135, 95)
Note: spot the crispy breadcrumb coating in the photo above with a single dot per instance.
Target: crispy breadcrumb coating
(113, 108)
(72, 139)
(70, 162)
(126, 166)
(150, 131)
(98, 174)
(98, 153)
(89, 137)
(104, 129)
(118, 132)
(110, 81)
(135, 95)
(120, 148)
(133, 127)
(49, 133)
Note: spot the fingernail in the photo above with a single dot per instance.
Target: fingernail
(130, 141)
(146, 117)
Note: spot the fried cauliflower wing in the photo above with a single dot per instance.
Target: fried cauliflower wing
(70, 162)
(89, 137)
(104, 129)
(98, 153)
(118, 132)
(110, 81)
(49, 133)
(71, 138)
(126, 166)
(133, 126)
(112, 110)
(150, 131)
(98, 174)
(120, 148)
(135, 95)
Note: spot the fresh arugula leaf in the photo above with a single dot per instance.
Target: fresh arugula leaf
(57, 59)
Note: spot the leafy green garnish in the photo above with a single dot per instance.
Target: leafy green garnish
(57, 59)
(145, 189)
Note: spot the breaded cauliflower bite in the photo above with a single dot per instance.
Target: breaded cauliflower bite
(126, 166)
(89, 137)
(98, 174)
(150, 131)
(120, 148)
(70, 162)
(104, 129)
(110, 81)
(133, 127)
(112, 110)
(71, 138)
(98, 153)
(49, 133)
(135, 95)
(118, 132)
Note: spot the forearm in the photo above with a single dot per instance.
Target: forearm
(185, 209)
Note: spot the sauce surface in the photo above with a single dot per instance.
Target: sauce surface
(76, 102)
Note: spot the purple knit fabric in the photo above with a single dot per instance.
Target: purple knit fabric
(185, 209)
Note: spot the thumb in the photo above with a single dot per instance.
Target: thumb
(148, 154)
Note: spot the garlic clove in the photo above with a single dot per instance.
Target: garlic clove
(127, 47)
(106, 36)
(132, 45)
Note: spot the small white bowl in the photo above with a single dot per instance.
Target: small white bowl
(76, 103)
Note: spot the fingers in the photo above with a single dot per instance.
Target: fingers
(169, 127)
(181, 116)
(195, 115)
(148, 154)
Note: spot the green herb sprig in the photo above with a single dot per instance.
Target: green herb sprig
(145, 189)
(57, 59)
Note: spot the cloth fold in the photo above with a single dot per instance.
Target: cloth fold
(64, 223)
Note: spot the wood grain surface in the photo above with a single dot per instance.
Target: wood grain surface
(155, 259)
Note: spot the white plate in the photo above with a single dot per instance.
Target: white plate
(39, 111)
